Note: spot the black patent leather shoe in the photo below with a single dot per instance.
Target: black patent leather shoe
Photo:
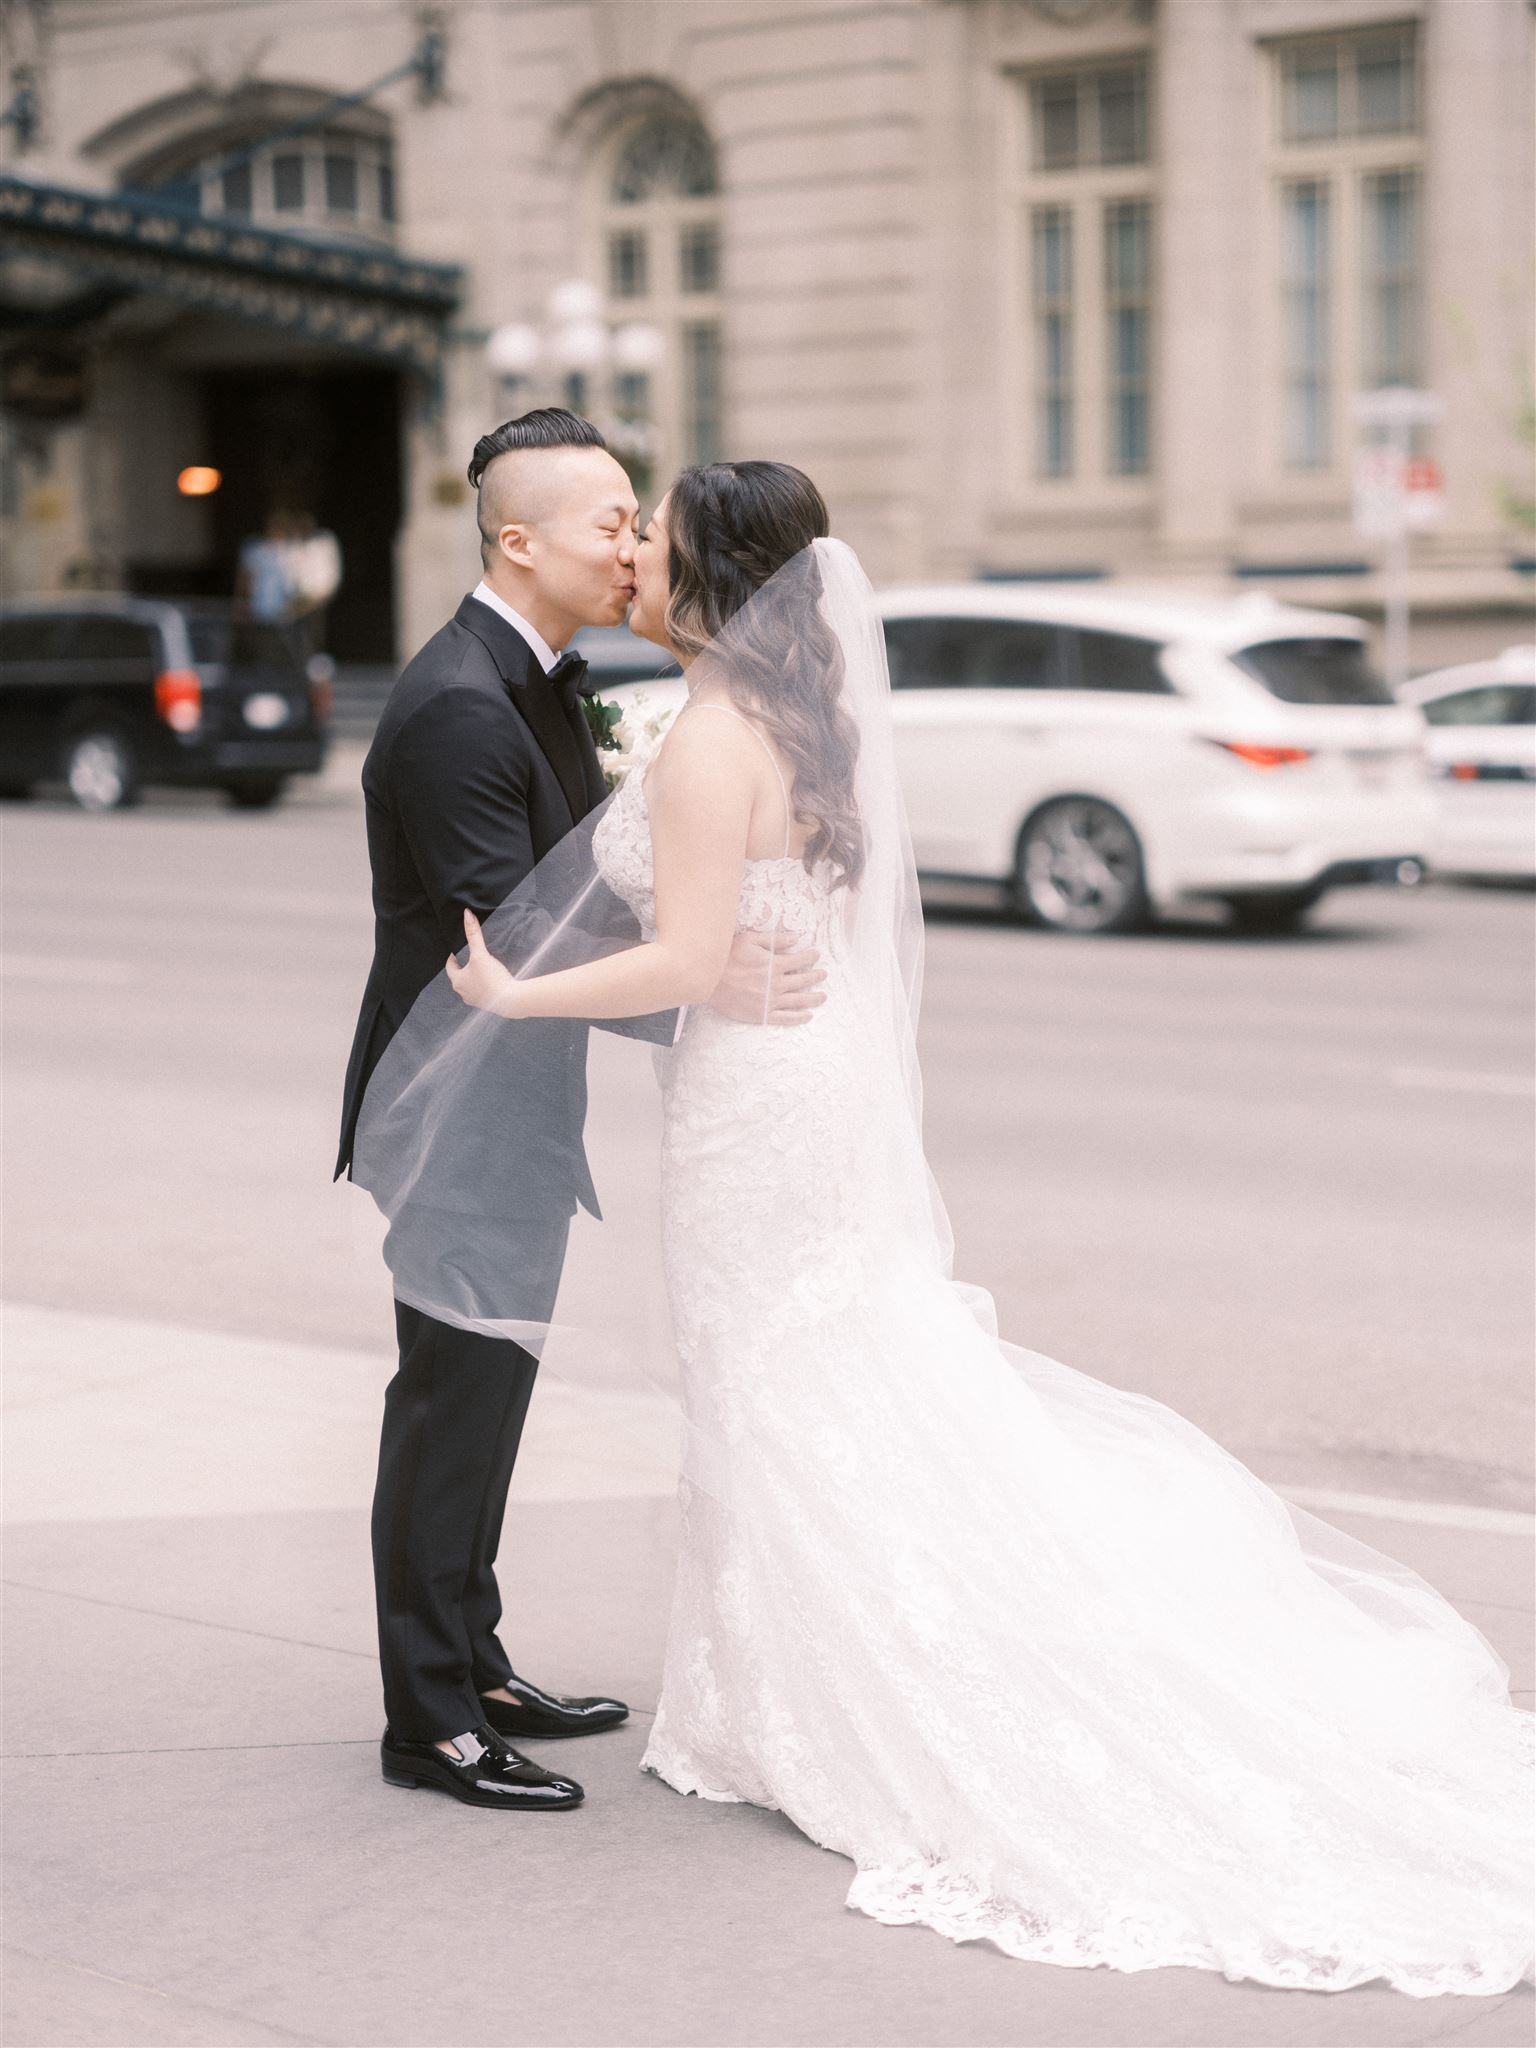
(487, 1771)
(532, 1711)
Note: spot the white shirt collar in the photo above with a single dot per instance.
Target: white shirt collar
(541, 647)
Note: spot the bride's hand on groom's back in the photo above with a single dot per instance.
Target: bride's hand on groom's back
(765, 985)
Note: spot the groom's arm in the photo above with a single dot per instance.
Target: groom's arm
(459, 780)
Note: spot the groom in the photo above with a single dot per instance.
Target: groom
(481, 764)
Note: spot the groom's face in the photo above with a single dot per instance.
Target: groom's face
(571, 530)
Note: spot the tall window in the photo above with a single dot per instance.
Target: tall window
(1052, 285)
(659, 257)
(1087, 235)
(1346, 163)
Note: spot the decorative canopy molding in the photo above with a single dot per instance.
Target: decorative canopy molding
(367, 300)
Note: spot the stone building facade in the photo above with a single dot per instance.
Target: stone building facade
(1033, 288)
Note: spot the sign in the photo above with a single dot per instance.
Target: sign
(1396, 493)
(42, 381)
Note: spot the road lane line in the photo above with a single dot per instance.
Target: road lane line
(1465, 1080)
(1437, 1514)
(80, 973)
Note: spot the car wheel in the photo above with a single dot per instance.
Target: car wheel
(1079, 868)
(256, 792)
(101, 768)
(1276, 910)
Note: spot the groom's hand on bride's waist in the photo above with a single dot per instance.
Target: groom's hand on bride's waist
(765, 984)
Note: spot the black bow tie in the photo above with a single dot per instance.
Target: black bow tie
(568, 679)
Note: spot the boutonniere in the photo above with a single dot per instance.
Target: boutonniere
(603, 723)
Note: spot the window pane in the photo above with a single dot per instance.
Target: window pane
(340, 182)
(1122, 116)
(35, 638)
(108, 639)
(1127, 281)
(698, 257)
(1116, 661)
(632, 395)
(701, 392)
(975, 654)
(627, 266)
(1315, 672)
(1311, 96)
(1052, 290)
(1384, 86)
(1056, 124)
(664, 155)
(386, 190)
(1494, 704)
(235, 189)
(1005, 654)
(288, 183)
(1304, 302)
(1391, 279)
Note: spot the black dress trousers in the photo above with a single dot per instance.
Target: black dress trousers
(453, 1419)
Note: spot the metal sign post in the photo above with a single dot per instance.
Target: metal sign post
(1397, 493)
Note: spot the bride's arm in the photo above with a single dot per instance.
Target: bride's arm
(699, 794)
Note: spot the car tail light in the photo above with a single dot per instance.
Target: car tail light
(1264, 757)
(179, 698)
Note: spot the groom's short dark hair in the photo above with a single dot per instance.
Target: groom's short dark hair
(550, 426)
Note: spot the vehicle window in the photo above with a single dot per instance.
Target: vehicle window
(1493, 704)
(975, 654)
(104, 638)
(34, 638)
(1315, 672)
(242, 643)
(1116, 661)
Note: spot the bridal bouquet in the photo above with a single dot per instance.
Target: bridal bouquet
(631, 734)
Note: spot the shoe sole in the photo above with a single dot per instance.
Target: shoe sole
(560, 1734)
(409, 1782)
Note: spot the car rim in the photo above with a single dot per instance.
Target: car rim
(1080, 867)
(98, 773)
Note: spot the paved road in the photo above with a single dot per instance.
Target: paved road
(1283, 1185)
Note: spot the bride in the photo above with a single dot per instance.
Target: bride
(1049, 1667)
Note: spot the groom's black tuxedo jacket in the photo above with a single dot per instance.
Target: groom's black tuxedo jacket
(475, 773)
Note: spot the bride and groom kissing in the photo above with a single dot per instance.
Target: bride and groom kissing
(1044, 1662)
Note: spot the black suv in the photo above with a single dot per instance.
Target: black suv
(110, 693)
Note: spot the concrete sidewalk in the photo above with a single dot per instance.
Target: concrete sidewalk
(200, 1848)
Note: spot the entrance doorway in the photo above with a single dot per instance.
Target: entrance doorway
(324, 441)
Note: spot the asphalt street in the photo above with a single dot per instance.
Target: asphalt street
(1284, 1184)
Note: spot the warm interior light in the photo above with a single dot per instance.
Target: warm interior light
(199, 481)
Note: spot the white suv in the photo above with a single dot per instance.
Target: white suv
(1105, 754)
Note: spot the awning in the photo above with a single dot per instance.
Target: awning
(369, 300)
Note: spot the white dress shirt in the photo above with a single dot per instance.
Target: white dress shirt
(541, 647)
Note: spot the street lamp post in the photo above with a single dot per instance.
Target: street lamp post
(573, 343)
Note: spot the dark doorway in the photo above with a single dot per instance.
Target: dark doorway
(320, 441)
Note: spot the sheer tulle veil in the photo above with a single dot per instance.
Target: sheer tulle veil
(470, 1132)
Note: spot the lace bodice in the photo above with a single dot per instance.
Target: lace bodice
(776, 894)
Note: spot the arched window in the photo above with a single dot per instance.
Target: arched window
(336, 183)
(658, 258)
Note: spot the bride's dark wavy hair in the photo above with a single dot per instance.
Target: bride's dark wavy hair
(730, 526)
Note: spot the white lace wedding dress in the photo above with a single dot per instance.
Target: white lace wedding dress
(1047, 1664)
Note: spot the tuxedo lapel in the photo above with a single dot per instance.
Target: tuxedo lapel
(560, 738)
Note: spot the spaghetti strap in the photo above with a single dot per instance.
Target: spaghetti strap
(731, 712)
